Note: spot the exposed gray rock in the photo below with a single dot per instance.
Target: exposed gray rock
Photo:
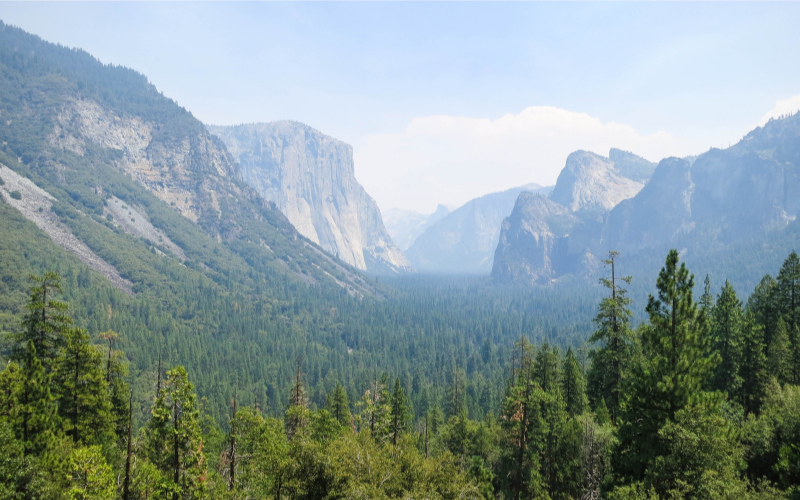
(464, 241)
(748, 194)
(405, 226)
(310, 178)
(545, 238)
(35, 204)
(592, 182)
(531, 240)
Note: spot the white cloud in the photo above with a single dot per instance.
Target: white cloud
(445, 159)
(782, 107)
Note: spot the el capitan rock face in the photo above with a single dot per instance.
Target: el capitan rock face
(310, 177)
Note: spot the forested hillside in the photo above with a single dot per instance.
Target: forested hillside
(700, 402)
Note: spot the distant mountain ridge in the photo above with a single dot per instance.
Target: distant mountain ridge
(746, 196)
(464, 241)
(545, 237)
(405, 226)
(310, 177)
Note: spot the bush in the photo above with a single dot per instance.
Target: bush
(16, 195)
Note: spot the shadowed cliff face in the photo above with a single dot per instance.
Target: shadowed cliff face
(310, 177)
(547, 237)
(703, 206)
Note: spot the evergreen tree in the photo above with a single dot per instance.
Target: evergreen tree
(45, 323)
(35, 411)
(727, 338)
(83, 395)
(174, 441)
(611, 359)
(547, 369)
(675, 369)
(400, 413)
(297, 415)
(779, 361)
(573, 385)
(753, 366)
(763, 304)
(338, 406)
(707, 299)
(789, 290)
(456, 393)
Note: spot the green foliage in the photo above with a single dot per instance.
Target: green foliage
(677, 365)
(90, 477)
(573, 385)
(611, 360)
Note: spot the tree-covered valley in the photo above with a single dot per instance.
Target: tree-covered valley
(166, 332)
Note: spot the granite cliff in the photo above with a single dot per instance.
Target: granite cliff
(464, 240)
(310, 178)
(544, 238)
(735, 208)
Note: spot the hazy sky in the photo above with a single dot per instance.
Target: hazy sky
(444, 102)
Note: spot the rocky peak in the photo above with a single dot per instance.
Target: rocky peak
(594, 183)
(310, 177)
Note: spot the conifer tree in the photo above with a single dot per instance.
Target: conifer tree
(174, 441)
(727, 338)
(707, 299)
(45, 323)
(676, 367)
(753, 366)
(547, 369)
(83, 395)
(611, 359)
(573, 385)
(789, 290)
(400, 412)
(297, 415)
(779, 360)
(338, 406)
(35, 412)
(763, 303)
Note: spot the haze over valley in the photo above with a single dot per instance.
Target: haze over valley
(435, 251)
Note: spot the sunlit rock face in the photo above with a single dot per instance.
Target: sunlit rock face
(310, 177)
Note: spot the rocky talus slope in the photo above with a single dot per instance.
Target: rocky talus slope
(310, 178)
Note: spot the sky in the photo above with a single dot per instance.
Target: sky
(445, 102)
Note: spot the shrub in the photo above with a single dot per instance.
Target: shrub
(16, 195)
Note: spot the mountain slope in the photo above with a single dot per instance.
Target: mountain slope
(544, 239)
(726, 209)
(310, 178)
(405, 226)
(464, 241)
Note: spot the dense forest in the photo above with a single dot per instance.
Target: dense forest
(700, 401)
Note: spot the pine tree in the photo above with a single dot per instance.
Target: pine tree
(297, 415)
(174, 441)
(727, 338)
(83, 395)
(753, 366)
(789, 290)
(338, 405)
(35, 412)
(547, 369)
(779, 360)
(707, 299)
(611, 359)
(675, 369)
(763, 303)
(573, 385)
(400, 413)
(45, 323)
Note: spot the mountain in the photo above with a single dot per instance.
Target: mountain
(594, 183)
(734, 211)
(310, 177)
(464, 240)
(546, 237)
(405, 226)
